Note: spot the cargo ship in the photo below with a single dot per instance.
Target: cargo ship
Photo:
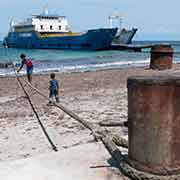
(47, 31)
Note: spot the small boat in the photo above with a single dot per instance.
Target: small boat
(47, 31)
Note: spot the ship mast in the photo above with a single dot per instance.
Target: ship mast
(11, 24)
(45, 10)
(115, 17)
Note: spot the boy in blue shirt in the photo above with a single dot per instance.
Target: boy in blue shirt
(53, 89)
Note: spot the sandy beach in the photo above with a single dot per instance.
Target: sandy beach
(94, 96)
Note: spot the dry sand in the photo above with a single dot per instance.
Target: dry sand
(94, 96)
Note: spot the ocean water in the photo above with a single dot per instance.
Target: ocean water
(80, 61)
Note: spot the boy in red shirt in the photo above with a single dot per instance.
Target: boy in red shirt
(29, 66)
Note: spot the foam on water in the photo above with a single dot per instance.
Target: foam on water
(58, 67)
(79, 61)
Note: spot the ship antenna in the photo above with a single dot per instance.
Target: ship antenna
(45, 10)
(116, 16)
(120, 22)
(11, 24)
(110, 21)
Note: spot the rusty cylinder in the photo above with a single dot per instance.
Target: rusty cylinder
(161, 57)
(154, 124)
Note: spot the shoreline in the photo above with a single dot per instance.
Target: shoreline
(58, 71)
(45, 72)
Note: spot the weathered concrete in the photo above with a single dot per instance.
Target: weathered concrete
(154, 123)
(70, 164)
(161, 57)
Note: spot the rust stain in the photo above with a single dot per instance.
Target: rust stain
(161, 57)
(154, 123)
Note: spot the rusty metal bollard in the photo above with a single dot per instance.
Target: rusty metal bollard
(154, 124)
(161, 57)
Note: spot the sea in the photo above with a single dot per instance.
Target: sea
(68, 61)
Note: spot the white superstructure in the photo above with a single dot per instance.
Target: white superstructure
(44, 23)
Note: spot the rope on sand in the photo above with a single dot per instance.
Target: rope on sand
(95, 129)
(113, 124)
(30, 102)
(35, 112)
(127, 169)
(110, 142)
(120, 141)
(87, 124)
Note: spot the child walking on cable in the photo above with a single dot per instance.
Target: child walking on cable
(53, 89)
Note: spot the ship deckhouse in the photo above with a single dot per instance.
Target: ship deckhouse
(50, 23)
(43, 23)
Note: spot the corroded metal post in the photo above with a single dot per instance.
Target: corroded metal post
(154, 124)
(161, 57)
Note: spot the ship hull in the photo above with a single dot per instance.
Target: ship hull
(96, 39)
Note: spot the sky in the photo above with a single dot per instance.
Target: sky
(155, 19)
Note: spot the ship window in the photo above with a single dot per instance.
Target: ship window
(41, 27)
(59, 27)
(51, 27)
(67, 28)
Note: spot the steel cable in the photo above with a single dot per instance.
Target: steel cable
(32, 106)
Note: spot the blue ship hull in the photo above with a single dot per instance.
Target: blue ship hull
(97, 39)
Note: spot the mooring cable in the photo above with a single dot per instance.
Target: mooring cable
(36, 114)
(32, 106)
(87, 124)
(96, 130)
